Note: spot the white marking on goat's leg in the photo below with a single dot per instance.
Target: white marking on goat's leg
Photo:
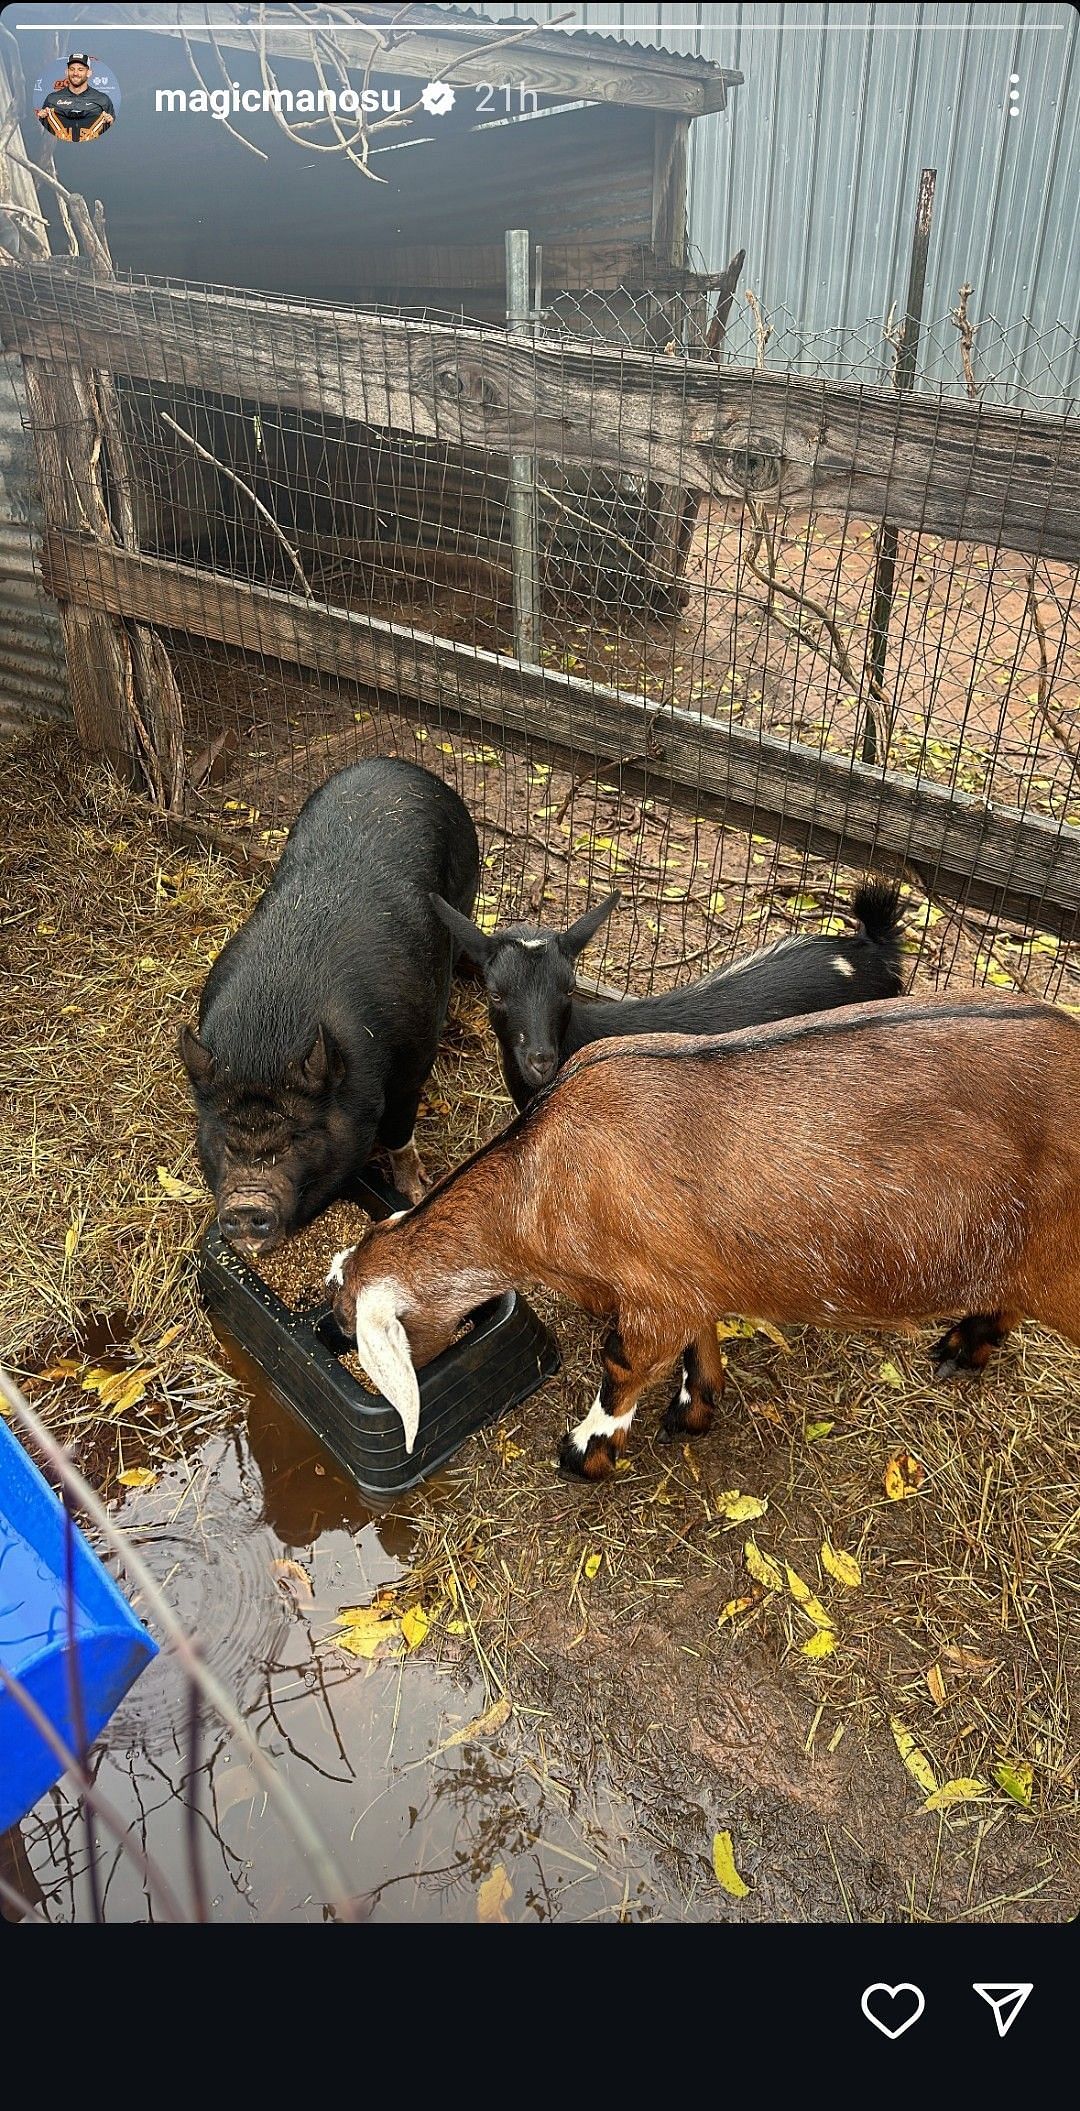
(599, 1424)
(408, 1173)
(842, 966)
(684, 1393)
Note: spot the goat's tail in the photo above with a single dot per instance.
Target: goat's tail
(876, 903)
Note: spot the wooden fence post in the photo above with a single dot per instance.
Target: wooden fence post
(124, 697)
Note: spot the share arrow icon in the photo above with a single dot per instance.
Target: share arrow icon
(1006, 1998)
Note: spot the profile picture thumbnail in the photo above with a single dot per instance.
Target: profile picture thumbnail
(79, 106)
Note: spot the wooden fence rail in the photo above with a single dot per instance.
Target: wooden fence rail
(1008, 478)
(1030, 865)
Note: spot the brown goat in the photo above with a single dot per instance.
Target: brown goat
(850, 1168)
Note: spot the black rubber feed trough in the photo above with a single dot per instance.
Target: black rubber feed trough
(507, 1355)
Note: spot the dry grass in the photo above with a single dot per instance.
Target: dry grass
(597, 1611)
(108, 937)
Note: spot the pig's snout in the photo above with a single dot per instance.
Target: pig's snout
(251, 1221)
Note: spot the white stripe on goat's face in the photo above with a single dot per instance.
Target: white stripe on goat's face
(383, 1348)
(842, 966)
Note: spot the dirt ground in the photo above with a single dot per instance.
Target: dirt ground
(980, 680)
(647, 1636)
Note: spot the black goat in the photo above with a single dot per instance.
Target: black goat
(541, 1020)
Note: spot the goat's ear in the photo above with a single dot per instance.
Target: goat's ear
(383, 1348)
(197, 1059)
(323, 1066)
(575, 940)
(472, 940)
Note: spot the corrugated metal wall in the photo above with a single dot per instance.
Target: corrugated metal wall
(813, 169)
(33, 681)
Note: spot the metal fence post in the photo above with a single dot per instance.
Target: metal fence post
(523, 520)
(903, 380)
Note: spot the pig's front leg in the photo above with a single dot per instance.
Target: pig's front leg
(397, 1133)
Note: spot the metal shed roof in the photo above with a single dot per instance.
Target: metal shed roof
(585, 66)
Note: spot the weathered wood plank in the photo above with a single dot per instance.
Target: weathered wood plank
(671, 137)
(1027, 859)
(953, 468)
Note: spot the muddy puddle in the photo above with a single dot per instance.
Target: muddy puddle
(259, 1542)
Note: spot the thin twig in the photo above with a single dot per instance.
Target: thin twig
(248, 493)
(794, 593)
(763, 329)
(959, 316)
(1049, 717)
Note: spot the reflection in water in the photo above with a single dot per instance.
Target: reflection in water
(258, 1543)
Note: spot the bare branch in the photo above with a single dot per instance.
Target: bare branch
(265, 512)
(959, 316)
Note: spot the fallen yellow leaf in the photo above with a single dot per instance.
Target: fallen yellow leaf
(724, 1870)
(1016, 1780)
(952, 1792)
(592, 1565)
(178, 1190)
(734, 1329)
(820, 1644)
(128, 1395)
(71, 1240)
(99, 1376)
(762, 1568)
(733, 1607)
(494, 1896)
(937, 1685)
(366, 1630)
(414, 1626)
(814, 1430)
(738, 1508)
(805, 1599)
(889, 1373)
(771, 1333)
(843, 1566)
(138, 1477)
(482, 1725)
(904, 1475)
(916, 1762)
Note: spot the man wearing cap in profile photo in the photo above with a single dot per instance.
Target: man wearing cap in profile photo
(73, 110)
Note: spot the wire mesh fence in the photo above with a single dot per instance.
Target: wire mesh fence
(740, 690)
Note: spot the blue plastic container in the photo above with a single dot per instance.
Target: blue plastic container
(111, 1646)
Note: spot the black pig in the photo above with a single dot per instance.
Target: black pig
(320, 1019)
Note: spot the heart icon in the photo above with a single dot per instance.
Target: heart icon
(892, 2030)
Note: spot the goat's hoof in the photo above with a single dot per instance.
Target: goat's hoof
(595, 1463)
(965, 1350)
(687, 1417)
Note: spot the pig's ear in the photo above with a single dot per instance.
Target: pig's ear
(197, 1059)
(383, 1348)
(473, 941)
(323, 1066)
